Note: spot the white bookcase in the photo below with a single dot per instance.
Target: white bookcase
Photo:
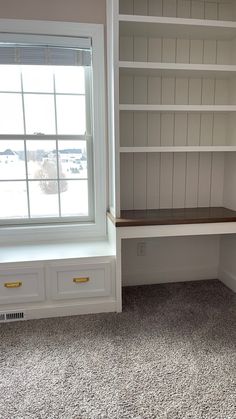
(172, 104)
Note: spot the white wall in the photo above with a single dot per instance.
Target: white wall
(170, 260)
(90, 11)
(227, 270)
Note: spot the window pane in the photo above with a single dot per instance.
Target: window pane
(71, 115)
(37, 78)
(10, 78)
(11, 120)
(69, 79)
(74, 198)
(41, 158)
(73, 159)
(39, 114)
(43, 199)
(12, 160)
(13, 200)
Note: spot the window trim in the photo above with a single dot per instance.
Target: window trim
(73, 231)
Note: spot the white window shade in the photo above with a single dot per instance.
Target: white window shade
(75, 52)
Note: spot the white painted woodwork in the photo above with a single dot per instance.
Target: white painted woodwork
(63, 276)
(30, 280)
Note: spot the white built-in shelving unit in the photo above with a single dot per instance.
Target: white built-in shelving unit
(173, 66)
(172, 104)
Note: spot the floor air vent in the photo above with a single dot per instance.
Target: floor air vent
(12, 316)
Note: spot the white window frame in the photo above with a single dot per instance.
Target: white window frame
(71, 231)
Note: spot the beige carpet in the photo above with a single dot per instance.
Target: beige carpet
(171, 354)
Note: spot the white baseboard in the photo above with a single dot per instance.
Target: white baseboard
(228, 278)
(174, 275)
(63, 310)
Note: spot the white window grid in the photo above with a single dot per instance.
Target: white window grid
(87, 138)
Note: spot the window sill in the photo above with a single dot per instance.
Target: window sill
(55, 251)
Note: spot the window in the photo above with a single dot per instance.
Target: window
(51, 128)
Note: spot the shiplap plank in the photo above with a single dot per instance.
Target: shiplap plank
(140, 90)
(184, 8)
(219, 129)
(155, 50)
(223, 52)
(179, 180)
(217, 180)
(168, 50)
(196, 51)
(127, 181)
(126, 89)
(140, 7)
(166, 180)
(126, 48)
(209, 51)
(222, 92)
(192, 180)
(170, 8)
(140, 129)
(140, 181)
(183, 51)
(154, 90)
(181, 91)
(167, 129)
(194, 121)
(225, 11)
(206, 135)
(197, 9)
(208, 91)
(211, 10)
(168, 91)
(154, 129)
(181, 128)
(127, 6)
(126, 129)
(204, 185)
(195, 91)
(155, 7)
(153, 180)
(140, 48)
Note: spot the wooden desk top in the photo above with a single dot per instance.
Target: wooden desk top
(132, 218)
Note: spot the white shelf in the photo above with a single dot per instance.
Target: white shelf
(176, 27)
(178, 149)
(178, 108)
(55, 251)
(177, 69)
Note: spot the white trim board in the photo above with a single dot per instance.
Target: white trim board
(228, 278)
(167, 276)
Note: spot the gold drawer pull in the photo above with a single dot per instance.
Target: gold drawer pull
(80, 280)
(13, 284)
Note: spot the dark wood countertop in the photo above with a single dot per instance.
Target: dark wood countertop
(132, 218)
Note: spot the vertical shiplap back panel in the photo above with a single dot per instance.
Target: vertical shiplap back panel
(140, 129)
(204, 184)
(179, 180)
(166, 180)
(196, 9)
(127, 181)
(126, 129)
(140, 181)
(154, 129)
(153, 180)
(192, 170)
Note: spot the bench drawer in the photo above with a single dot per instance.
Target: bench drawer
(21, 285)
(81, 281)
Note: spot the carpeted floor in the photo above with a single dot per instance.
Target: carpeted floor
(171, 354)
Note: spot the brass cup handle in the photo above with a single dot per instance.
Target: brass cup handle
(80, 280)
(16, 284)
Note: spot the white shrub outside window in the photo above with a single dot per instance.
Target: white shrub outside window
(52, 129)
